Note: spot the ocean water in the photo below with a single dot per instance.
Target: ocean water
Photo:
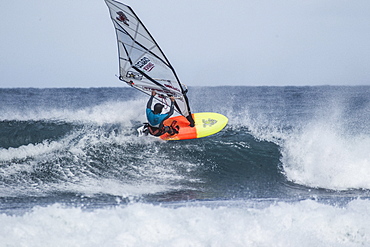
(292, 168)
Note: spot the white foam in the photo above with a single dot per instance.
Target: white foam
(29, 150)
(71, 162)
(323, 155)
(306, 224)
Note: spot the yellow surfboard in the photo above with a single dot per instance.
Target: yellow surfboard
(206, 124)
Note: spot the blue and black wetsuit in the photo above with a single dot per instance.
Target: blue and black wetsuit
(156, 127)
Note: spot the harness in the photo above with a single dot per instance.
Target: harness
(156, 131)
(171, 130)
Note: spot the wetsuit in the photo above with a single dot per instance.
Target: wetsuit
(156, 127)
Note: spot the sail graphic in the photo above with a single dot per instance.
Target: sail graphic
(142, 64)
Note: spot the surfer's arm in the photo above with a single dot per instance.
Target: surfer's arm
(171, 107)
(150, 101)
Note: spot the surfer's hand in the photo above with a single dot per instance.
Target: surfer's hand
(153, 93)
(172, 99)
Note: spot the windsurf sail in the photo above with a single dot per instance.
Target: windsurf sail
(142, 64)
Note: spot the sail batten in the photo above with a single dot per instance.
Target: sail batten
(142, 63)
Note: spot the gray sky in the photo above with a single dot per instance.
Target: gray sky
(71, 43)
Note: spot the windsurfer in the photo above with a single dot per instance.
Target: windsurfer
(156, 119)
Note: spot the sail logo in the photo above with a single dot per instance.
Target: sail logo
(209, 122)
(145, 64)
(172, 87)
(149, 67)
(122, 18)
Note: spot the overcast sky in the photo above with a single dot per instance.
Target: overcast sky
(71, 43)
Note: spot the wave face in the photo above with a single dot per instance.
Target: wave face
(79, 148)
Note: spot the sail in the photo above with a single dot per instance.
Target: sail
(142, 64)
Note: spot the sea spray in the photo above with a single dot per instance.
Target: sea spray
(305, 223)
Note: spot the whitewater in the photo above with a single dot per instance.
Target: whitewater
(290, 169)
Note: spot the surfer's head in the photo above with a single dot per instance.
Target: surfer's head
(158, 108)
